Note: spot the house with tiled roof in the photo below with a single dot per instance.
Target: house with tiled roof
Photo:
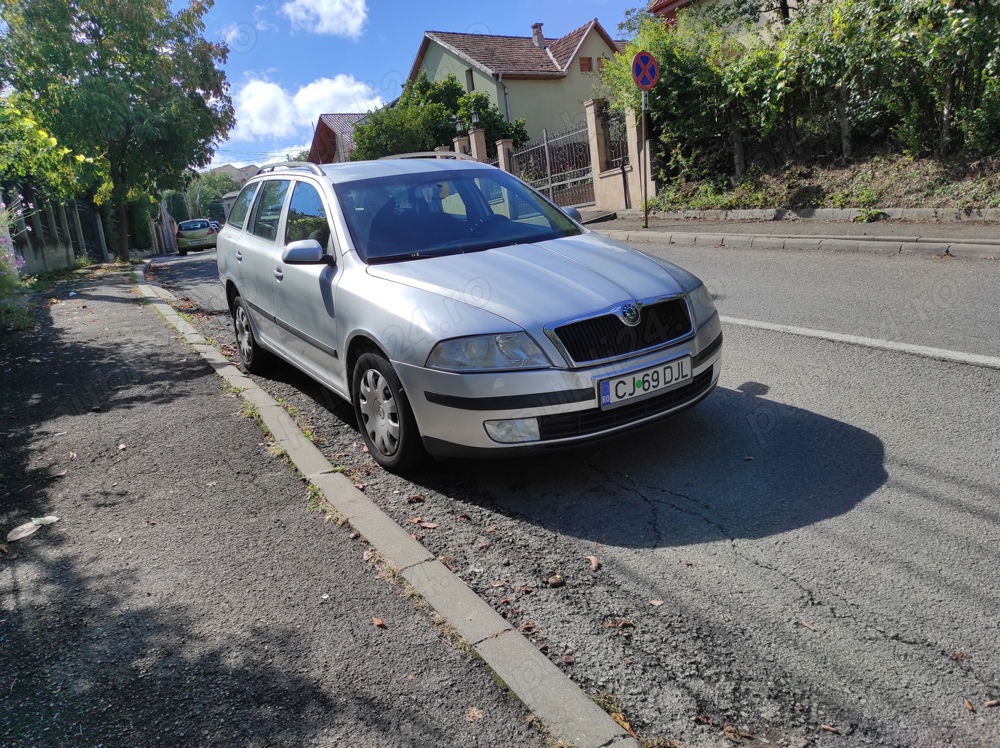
(541, 79)
(333, 140)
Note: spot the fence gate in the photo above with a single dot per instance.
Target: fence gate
(558, 166)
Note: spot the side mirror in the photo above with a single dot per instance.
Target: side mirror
(306, 252)
(574, 214)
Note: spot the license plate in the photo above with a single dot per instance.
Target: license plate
(645, 383)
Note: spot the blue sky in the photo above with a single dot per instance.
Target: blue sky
(292, 60)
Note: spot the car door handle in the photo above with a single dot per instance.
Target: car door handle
(239, 256)
(278, 274)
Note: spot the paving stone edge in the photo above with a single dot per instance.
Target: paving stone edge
(561, 706)
(884, 245)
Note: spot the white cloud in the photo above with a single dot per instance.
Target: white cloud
(335, 17)
(266, 110)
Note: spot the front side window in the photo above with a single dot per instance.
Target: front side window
(307, 217)
(238, 213)
(267, 210)
(412, 216)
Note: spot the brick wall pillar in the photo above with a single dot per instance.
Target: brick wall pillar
(461, 144)
(504, 147)
(479, 145)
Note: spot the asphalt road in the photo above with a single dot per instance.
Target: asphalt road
(809, 556)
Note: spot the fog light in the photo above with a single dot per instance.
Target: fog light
(513, 430)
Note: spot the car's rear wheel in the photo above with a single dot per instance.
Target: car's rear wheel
(384, 415)
(253, 357)
(182, 252)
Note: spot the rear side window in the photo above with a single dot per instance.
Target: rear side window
(238, 213)
(192, 225)
(267, 210)
(307, 216)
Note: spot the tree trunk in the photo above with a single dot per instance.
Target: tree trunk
(739, 158)
(121, 217)
(949, 87)
(843, 101)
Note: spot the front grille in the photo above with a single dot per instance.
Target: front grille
(607, 336)
(593, 421)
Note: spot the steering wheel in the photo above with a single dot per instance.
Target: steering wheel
(485, 221)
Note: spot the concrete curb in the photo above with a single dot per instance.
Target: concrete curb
(565, 710)
(824, 214)
(884, 245)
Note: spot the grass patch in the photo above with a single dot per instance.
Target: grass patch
(250, 410)
(875, 180)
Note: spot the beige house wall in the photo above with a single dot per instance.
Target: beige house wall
(548, 103)
(438, 62)
(553, 104)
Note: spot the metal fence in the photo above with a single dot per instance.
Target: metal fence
(615, 139)
(558, 166)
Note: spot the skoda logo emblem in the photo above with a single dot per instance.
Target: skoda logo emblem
(630, 315)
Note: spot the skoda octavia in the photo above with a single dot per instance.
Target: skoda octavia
(459, 311)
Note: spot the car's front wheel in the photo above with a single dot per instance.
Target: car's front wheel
(254, 358)
(384, 415)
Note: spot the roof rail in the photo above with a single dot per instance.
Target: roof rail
(314, 168)
(432, 154)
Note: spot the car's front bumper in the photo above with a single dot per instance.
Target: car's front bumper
(451, 409)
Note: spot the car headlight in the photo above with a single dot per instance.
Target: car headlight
(701, 304)
(513, 350)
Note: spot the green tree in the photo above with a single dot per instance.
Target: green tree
(206, 189)
(127, 81)
(424, 118)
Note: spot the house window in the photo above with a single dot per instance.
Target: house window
(586, 64)
(470, 82)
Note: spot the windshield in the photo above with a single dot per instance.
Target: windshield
(412, 216)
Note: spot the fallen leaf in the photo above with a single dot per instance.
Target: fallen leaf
(417, 499)
(688, 563)
(3, 548)
(807, 625)
(46, 520)
(992, 703)
(378, 623)
(568, 659)
(554, 579)
(72, 456)
(483, 546)
(527, 627)
(414, 520)
(61, 474)
(122, 447)
(620, 719)
(364, 449)
(702, 719)
(595, 563)
(491, 529)
(619, 623)
(959, 655)
(367, 555)
(732, 733)
(428, 525)
(656, 603)
(22, 531)
(473, 714)
(526, 589)
(463, 516)
(411, 676)
(361, 486)
(498, 585)
(828, 728)
(968, 705)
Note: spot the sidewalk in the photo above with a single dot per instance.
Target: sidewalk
(187, 595)
(968, 238)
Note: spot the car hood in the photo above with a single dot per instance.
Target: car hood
(533, 285)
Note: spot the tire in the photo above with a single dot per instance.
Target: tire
(384, 416)
(254, 358)
(182, 252)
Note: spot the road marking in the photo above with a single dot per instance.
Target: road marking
(940, 354)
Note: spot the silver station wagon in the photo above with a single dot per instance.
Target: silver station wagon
(459, 311)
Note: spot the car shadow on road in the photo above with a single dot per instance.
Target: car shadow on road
(736, 466)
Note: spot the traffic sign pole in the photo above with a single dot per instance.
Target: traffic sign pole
(645, 73)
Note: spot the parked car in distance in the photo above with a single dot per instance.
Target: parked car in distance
(216, 225)
(458, 310)
(196, 234)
